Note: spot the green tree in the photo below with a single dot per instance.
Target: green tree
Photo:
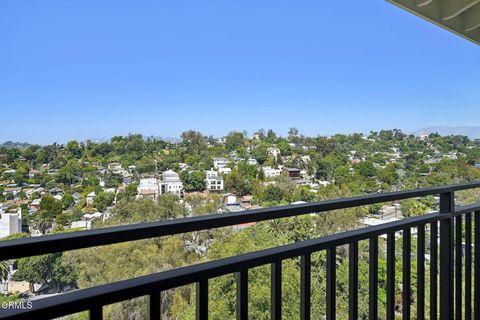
(388, 175)
(146, 164)
(4, 271)
(271, 135)
(193, 181)
(103, 200)
(325, 168)
(234, 140)
(273, 194)
(68, 200)
(61, 220)
(247, 170)
(48, 268)
(129, 194)
(366, 169)
(43, 221)
(73, 149)
(260, 153)
(194, 142)
(112, 180)
(21, 174)
(236, 183)
(70, 172)
(50, 205)
(412, 208)
(342, 174)
(284, 147)
(293, 134)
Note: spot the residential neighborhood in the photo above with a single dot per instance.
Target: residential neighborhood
(81, 186)
(88, 184)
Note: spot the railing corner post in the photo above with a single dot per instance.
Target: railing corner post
(447, 207)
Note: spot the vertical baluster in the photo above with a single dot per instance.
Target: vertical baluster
(276, 291)
(305, 286)
(447, 206)
(154, 302)
(458, 267)
(421, 272)
(242, 295)
(331, 283)
(468, 266)
(433, 270)
(202, 300)
(476, 278)
(96, 313)
(406, 265)
(353, 281)
(373, 279)
(391, 276)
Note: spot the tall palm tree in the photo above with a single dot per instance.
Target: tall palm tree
(43, 221)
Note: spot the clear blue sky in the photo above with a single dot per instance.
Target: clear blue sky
(91, 69)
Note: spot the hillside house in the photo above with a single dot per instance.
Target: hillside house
(56, 191)
(220, 162)
(292, 173)
(271, 172)
(246, 202)
(10, 222)
(214, 183)
(148, 188)
(230, 199)
(89, 198)
(171, 183)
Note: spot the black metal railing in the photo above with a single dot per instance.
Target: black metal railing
(447, 263)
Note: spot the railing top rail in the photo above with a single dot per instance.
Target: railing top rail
(127, 289)
(84, 239)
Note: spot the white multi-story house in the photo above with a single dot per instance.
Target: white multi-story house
(220, 162)
(211, 173)
(252, 161)
(10, 222)
(171, 183)
(214, 183)
(148, 188)
(271, 172)
(151, 187)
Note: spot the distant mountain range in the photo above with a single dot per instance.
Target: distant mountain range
(471, 132)
(170, 139)
(11, 144)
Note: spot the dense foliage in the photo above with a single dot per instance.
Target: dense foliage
(336, 166)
